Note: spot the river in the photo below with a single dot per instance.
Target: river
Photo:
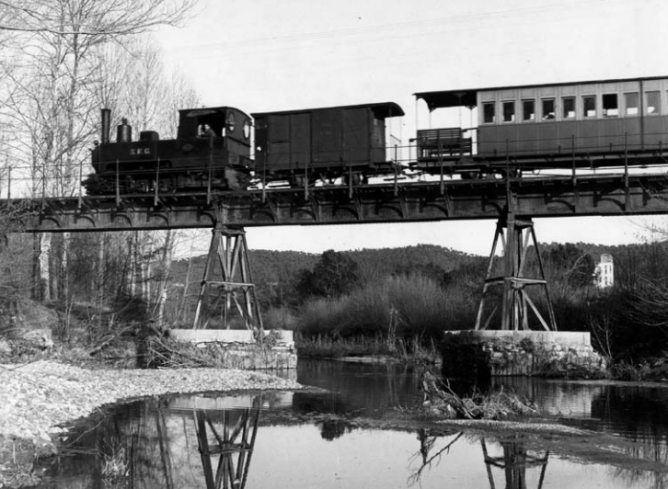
(361, 433)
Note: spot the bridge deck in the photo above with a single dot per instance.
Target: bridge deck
(554, 196)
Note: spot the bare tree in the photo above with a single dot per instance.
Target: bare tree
(50, 77)
(98, 19)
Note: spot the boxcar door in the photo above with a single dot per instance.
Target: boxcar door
(300, 140)
(327, 138)
(356, 135)
(278, 142)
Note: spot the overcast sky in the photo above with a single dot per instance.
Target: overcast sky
(267, 55)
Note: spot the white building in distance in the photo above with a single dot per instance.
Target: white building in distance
(605, 272)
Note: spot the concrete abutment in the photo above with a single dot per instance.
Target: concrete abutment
(239, 349)
(484, 354)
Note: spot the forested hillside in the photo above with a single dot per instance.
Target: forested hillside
(277, 274)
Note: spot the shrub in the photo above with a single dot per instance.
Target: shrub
(279, 318)
(401, 306)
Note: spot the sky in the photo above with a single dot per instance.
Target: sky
(269, 55)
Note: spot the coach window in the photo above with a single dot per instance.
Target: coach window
(589, 105)
(508, 111)
(610, 105)
(631, 101)
(569, 107)
(653, 103)
(548, 109)
(528, 110)
(488, 115)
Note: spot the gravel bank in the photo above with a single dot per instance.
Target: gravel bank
(38, 397)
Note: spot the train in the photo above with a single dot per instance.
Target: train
(512, 129)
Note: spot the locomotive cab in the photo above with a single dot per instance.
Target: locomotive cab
(225, 122)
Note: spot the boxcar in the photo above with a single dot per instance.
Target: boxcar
(323, 142)
(603, 122)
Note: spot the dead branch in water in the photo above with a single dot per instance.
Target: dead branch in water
(440, 400)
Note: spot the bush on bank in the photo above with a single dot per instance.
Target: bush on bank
(402, 306)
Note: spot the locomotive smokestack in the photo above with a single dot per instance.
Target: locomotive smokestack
(106, 125)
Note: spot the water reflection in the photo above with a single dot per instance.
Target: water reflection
(177, 443)
(511, 455)
(315, 439)
(514, 463)
(234, 448)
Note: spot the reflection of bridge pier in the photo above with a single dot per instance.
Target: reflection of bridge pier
(225, 436)
(514, 461)
(234, 447)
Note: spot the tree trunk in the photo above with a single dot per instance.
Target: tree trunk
(41, 269)
(65, 277)
(55, 268)
(99, 279)
(165, 267)
(132, 273)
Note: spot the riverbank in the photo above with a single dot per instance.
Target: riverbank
(38, 398)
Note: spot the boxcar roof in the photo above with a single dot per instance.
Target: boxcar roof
(383, 109)
(468, 96)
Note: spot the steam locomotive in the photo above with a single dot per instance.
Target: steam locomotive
(212, 150)
(565, 125)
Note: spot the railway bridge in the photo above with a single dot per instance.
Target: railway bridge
(512, 202)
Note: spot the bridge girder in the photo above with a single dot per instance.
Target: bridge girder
(606, 195)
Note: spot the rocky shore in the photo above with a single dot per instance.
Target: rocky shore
(37, 399)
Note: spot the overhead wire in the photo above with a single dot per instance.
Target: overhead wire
(399, 29)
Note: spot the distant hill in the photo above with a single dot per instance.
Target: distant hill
(278, 266)
(384, 261)
(273, 267)
(276, 274)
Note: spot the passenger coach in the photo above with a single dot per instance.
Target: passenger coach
(593, 123)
